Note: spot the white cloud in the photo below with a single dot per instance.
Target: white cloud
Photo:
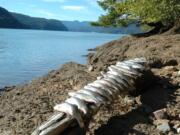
(75, 8)
(46, 14)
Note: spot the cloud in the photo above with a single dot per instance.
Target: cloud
(75, 8)
(46, 14)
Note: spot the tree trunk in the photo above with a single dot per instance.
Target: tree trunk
(159, 28)
(175, 29)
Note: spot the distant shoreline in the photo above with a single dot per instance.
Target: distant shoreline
(59, 31)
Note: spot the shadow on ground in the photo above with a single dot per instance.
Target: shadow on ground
(154, 98)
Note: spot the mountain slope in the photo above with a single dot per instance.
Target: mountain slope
(40, 23)
(8, 21)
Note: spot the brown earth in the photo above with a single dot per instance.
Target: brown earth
(25, 107)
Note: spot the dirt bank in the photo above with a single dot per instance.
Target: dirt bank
(23, 108)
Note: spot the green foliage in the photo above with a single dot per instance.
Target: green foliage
(124, 12)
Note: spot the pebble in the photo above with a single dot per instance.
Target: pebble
(163, 127)
(99, 77)
(160, 114)
(128, 100)
(177, 128)
(90, 68)
(178, 73)
(170, 68)
(138, 100)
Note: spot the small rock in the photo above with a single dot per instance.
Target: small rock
(138, 100)
(128, 100)
(162, 125)
(99, 77)
(158, 122)
(90, 68)
(71, 82)
(178, 73)
(177, 128)
(171, 133)
(160, 114)
(170, 68)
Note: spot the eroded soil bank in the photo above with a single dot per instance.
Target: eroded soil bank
(23, 108)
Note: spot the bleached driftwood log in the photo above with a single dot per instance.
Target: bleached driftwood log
(73, 116)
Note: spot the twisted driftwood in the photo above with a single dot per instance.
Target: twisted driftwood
(73, 116)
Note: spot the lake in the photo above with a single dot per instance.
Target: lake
(26, 54)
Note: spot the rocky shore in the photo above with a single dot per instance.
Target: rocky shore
(154, 110)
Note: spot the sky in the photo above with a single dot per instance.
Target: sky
(81, 10)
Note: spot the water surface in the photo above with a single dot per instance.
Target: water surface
(26, 54)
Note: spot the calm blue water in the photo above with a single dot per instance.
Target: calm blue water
(26, 54)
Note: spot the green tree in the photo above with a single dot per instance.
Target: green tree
(161, 15)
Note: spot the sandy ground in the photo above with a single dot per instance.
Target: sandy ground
(25, 107)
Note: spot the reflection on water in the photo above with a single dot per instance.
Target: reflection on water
(25, 54)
